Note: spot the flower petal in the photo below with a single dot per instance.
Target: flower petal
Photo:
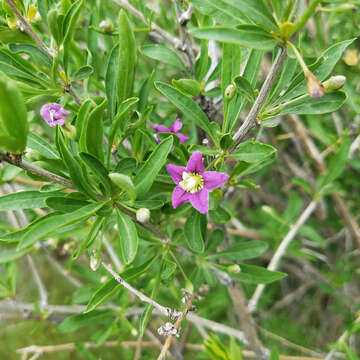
(182, 137)
(161, 128)
(200, 200)
(195, 164)
(214, 179)
(179, 197)
(176, 126)
(45, 114)
(175, 172)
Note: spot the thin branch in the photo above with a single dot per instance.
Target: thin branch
(172, 313)
(280, 252)
(113, 256)
(251, 118)
(41, 288)
(29, 29)
(33, 169)
(177, 324)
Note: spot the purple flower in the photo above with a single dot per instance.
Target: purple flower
(193, 183)
(174, 129)
(54, 114)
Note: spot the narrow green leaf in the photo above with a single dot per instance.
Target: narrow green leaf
(111, 79)
(26, 200)
(244, 88)
(308, 105)
(83, 73)
(193, 233)
(13, 117)
(242, 250)
(256, 275)
(91, 138)
(245, 35)
(163, 54)
(37, 143)
(152, 166)
(188, 107)
(82, 117)
(128, 237)
(99, 170)
(125, 183)
(51, 224)
(12, 254)
(65, 204)
(126, 59)
(75, 322)
(223, 11)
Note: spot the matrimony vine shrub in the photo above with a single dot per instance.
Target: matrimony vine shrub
(166, 159)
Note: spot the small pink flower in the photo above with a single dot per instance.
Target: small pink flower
(174, 129)
(54, 114)
(193, 183)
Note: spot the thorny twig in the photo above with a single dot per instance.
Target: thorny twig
(251, 118)
(171, 313)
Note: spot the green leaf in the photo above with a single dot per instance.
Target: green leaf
(187, 86)
(126, 59)
(337, 164)
(163, 54)
(75, 170)
(111, 79)
(37, 143)
(223, 11)
(75, 322)
(65, 204)
(25, 200)
(13, 117)
(256, 275)
(91, 137)
(322, 68)
(53, 23)
(188, 107)
(12, 254)
(128, 237)
(242, 250)
(274, 355)
(99, 170)
(308, 105)
(193, 232)
(152, 166)
(244, 88)
(83, 73)
(125, 183)
(68, 28)
(245, 35)
(34, 51)
(252, 156)
(220, 215)
(82, 117)
(51, 224)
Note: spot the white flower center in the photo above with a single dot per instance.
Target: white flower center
(52, 112)
(192, 182)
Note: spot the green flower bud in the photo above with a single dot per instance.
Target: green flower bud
(230, 92)
(70, 130)
(106, 26)
(143, 215)
(334, 83)
(217, 194)
(234, 269)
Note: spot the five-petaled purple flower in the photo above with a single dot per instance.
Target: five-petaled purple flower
(193, 183)
(54, 114)
(174, 128)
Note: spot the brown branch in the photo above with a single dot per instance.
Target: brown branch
(251, 118)
(177, 324)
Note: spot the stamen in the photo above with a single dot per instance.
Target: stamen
(192, 182)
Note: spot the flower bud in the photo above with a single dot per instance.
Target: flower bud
(230, 92)
(11, 23)
(234, 269)
(334, 83)
(143, 215)
(314, 87)
(95, 261)
(218, 194)
(106, 26)
(351, 57)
